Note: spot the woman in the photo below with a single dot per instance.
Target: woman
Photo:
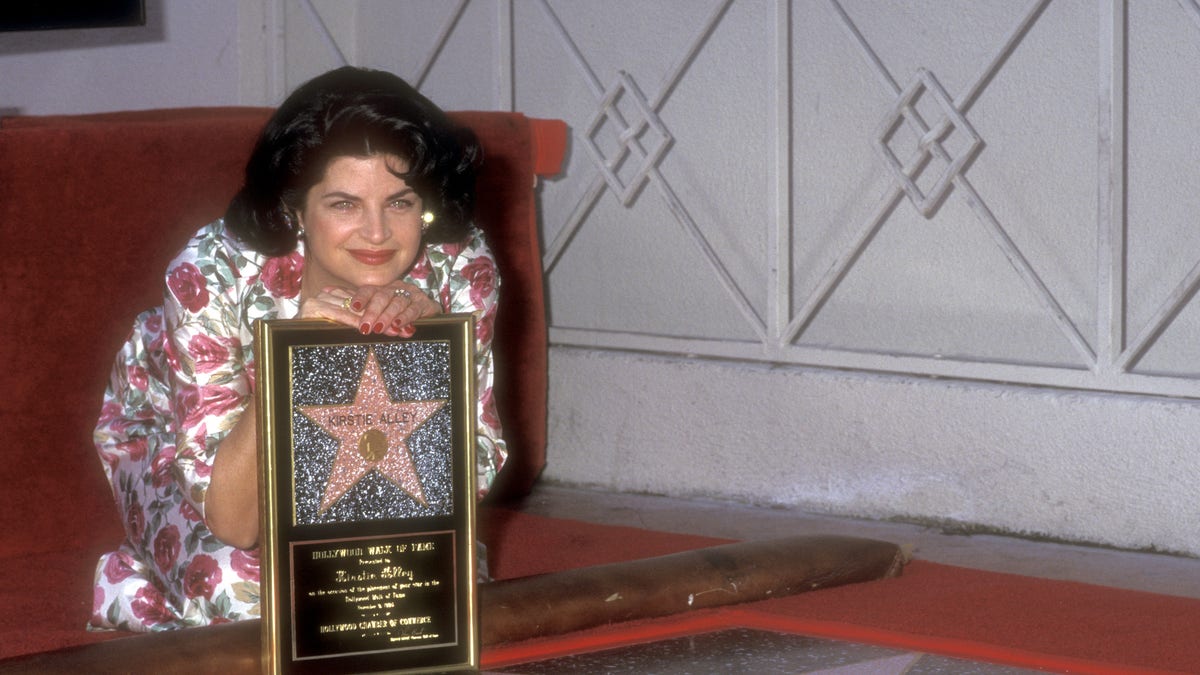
(356, 208)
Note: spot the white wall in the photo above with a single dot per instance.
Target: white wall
(1087, 467)
(760, 312)
(186, 54)
(1022, 356)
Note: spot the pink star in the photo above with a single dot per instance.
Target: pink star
(372, 433)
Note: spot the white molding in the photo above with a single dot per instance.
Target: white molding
(914, 365)
(260, 44)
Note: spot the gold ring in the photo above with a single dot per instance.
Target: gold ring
(346, 303)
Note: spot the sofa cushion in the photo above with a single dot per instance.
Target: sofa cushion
(89, 216)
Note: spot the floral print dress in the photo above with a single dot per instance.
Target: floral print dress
(180, 384)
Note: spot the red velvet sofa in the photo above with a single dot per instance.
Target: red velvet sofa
(91, 209)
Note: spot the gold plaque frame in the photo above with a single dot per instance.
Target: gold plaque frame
(367, 498)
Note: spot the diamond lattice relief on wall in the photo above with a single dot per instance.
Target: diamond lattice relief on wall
(941, 150)
(641, 140)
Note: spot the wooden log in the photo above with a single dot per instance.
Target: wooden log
(529, 607)
(223, 649)
(561, 602)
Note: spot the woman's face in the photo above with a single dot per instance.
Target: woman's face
(362, 224)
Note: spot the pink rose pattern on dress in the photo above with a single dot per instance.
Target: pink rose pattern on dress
(135, 520)
(160, 467)
(208, 353)
(482, 277)
(166, 547)
(484, 325)
(473, 285)
(420, 270)
(117, 568)
(201, 577)
(199, 403)
(188, 285)
(138, 378)
(150, 606)
(177, 387)
(281, 275)
(245, 563)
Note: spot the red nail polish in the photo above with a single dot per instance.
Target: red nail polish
(357, 306)
(365, 328)
(379, 327)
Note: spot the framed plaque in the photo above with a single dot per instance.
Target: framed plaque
(367, 497)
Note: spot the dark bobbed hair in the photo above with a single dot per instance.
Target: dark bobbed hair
(356, 112)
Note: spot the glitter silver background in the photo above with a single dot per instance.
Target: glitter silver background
(328, 375)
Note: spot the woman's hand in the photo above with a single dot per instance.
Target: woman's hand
(389, 310)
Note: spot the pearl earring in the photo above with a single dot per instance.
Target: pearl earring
(290, 221)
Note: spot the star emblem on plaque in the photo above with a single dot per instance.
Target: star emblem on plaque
(372, 443)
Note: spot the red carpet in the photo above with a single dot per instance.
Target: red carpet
(1022, 621)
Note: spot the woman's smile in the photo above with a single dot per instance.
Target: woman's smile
(373, 257)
